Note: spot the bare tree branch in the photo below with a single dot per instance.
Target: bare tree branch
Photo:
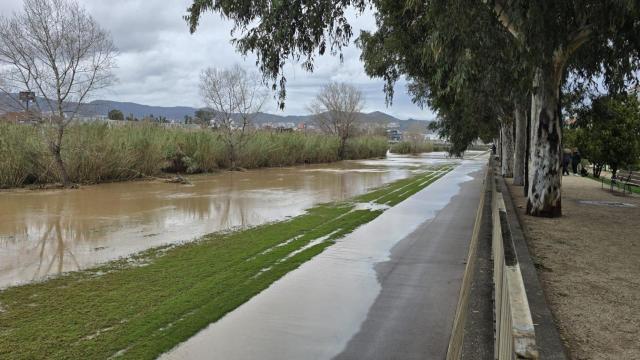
(57, 50)
(235, 97)
(336, 111)
(501, 11)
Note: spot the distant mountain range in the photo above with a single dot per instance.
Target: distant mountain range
(100, 108)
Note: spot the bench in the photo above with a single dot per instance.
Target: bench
(625, 180)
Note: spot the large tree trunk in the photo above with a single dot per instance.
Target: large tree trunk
(521, 144)
(527, 155)
(544, 166)
(507, 149)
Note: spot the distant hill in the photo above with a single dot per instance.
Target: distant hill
(177, 113)
(100, 108)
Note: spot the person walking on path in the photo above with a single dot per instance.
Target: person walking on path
(575, 160)
(566, 159)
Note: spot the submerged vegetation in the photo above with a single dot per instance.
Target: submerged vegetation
(96, 153)
(140, 307)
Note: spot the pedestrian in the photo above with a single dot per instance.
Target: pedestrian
(566, 159)
(575, 160)
(493, 149)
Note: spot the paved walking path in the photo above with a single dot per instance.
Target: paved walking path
(386, 291)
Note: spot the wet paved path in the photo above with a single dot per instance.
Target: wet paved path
(386, 291)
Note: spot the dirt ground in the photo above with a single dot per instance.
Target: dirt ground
(589, 264)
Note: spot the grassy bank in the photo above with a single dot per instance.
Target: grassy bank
(412, 147)
(95, 153)
(141, 307)
(607, 184)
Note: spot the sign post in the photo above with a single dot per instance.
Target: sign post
(27, 96)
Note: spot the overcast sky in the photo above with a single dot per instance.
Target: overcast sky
(159, 61)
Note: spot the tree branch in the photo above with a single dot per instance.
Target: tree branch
(500, 9)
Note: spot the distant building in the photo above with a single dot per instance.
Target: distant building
(431, 136)
(16, 117)
(394, 135)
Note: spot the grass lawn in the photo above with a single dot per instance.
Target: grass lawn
(607, 182)
(142, 306)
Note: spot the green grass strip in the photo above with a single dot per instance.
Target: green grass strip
(607, 182)
(142, 306)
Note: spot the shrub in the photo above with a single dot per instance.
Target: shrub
(97, 152)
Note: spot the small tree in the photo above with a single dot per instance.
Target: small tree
(116, 114)
(59, 52)
(609, 132)
(336, 111)
(235, 97)
(203, 117)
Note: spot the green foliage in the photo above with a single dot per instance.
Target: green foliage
(570, 137)
(608, 131)
(96, 152)
(411, 147)
(23, 157)
(312, 27)
(139, 312)
(204, 115)
(115, 114)
(470, 61)
(365, 147)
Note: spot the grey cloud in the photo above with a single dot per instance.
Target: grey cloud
(160, 61)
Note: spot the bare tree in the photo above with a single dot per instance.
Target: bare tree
(336, 111)
(235, 97)
(56, 50)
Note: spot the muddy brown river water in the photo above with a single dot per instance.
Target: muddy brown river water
(43, 233)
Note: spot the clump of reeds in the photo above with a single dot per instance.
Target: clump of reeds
(97, 152)
(411, 147)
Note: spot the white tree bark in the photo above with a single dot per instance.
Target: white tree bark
(544, 197)
(520, 144)
(507, 149)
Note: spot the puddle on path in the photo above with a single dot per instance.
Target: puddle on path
(49, 232)
(312, 312)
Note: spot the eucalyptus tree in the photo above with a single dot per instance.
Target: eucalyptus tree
(418, 40)
(587, 39)
(468, 74)
(57, 51)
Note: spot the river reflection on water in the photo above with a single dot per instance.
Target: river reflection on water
(49, 232)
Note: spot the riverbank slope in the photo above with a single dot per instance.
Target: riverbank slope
(143, 305)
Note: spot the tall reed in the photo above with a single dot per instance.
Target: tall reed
(415, 147)
(97, 152)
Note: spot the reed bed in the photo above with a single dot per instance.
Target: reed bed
(413, 147)
(96, 152)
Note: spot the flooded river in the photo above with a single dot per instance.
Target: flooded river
(49, 232)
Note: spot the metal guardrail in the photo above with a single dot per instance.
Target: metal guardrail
(454, 350)
(514, 331)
